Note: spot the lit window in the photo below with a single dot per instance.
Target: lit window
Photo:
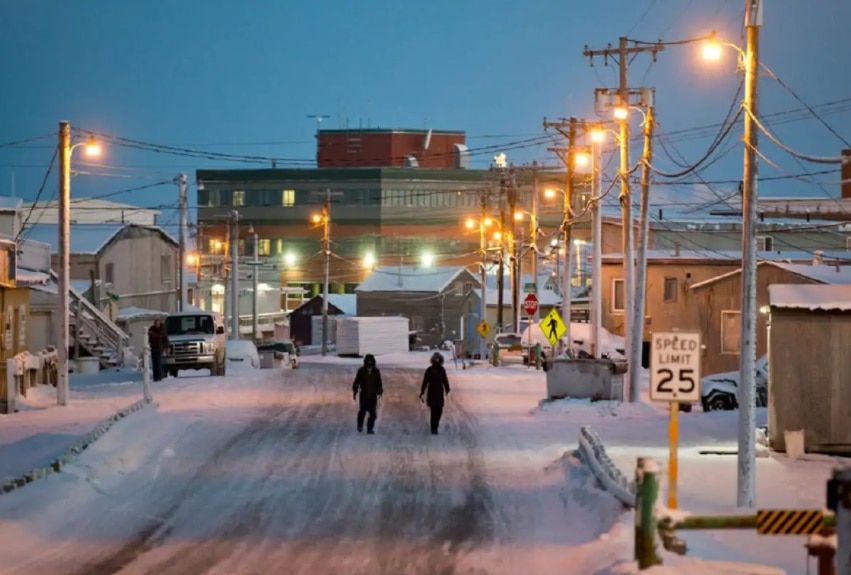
(288, 198)
(238, 198)
(264, 247)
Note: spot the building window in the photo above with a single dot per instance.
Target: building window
(731, 332)
(671, 285)
(108, 272)
(288, 198)
(213, 199)
(617, 296)
(764, 243)
(165, 267)
(237, 198)
(264, 247)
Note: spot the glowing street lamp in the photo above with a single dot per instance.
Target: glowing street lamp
(428, 259)
(620, 113)
(369, 261)
(711, 50)
(289, 258)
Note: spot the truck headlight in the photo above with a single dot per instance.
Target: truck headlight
(209, 347)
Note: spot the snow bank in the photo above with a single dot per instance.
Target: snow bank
(607, 473)
(595, 409)
(12, 483)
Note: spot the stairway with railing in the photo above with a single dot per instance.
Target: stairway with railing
(96, 333)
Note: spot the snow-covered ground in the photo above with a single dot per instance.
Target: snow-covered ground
(263, 468)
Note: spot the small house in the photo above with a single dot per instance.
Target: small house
(306, 319)
(809, 373)
(440, 302)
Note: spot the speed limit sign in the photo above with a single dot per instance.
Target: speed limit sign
(675, 366)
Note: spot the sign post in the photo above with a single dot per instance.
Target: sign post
(530, 306)
(674, 378)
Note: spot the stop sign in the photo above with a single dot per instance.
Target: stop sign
(530, 304)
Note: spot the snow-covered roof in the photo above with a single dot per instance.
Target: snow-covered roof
(410, 279)
(10, 204)
(820, 273)
(85, 238)
(88, 239)
(733, 256)
(25, 277)
(811, 297)
(345, 302)
(128, 313)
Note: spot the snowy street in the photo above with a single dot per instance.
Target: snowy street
(265, 472)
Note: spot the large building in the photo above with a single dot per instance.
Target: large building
(381, 212)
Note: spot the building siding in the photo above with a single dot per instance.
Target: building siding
(812, 391)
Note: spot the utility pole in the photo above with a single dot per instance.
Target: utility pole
(568, 230)
(500, 272)
(483, 245)
(747, 360)
(622, 54)
(534, 243)
(184, 208)
(64, 324)
(597, 251)
(641, 272)
(326, 248)
(234, 276)
(255, 285)
(512, 249)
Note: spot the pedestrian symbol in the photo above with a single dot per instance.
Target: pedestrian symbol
(553, 327)
(484, 328)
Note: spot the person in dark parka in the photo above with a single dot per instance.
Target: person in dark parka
(368, 383)
(435, 384)
(158, 344)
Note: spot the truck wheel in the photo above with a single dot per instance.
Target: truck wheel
(719, 402)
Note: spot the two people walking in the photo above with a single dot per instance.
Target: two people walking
(369, 386)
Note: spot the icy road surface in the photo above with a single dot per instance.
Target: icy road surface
(265, 473)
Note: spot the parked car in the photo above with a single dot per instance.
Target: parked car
(719, 391)
(196, 341)
(284, 347)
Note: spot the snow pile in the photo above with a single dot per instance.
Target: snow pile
(604, 469)
(588, 409)
(243, 352)
(580, 334)
(12, 483)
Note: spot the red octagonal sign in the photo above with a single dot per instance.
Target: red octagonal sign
(530, 304)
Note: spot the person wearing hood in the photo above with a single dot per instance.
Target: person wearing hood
(435, 385)
(368, 383)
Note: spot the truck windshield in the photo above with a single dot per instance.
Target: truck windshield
(189, 324)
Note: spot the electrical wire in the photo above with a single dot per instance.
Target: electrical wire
(38, 194)
(790, 151)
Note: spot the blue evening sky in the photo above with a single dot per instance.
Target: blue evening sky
(242, 76)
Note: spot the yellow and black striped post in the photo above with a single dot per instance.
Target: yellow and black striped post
(789, 521)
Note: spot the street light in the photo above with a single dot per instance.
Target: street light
(369, 261)
(428, 259)
(64, 307)
(620, 112)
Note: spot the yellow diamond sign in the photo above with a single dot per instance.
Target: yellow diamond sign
(484, 328)
(553, 327)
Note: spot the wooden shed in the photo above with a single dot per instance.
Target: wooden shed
(809, 367)
(717, 303)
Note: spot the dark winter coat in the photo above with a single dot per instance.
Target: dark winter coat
(158, 338)
(435, 384)
(368, 383)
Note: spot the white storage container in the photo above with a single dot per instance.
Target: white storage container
(358, 336)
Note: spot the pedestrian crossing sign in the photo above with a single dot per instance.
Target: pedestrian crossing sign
(553, 327)
(484, 328)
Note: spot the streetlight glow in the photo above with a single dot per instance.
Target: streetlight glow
(369, 261)
(317, 218)
(488, 222)
(711, 50)
(518, 216)
(191, 259)
(92, 148)
(471, 223)
(549, 193)
(428, 259)
(598, 136)
(289, 258)
(497, 235)
(620, 113)
(581, 159)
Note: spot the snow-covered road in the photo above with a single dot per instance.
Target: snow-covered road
(280, 481)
